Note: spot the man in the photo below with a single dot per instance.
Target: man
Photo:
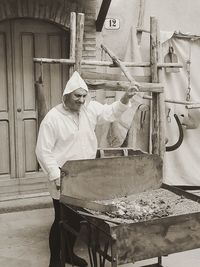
(68, 133)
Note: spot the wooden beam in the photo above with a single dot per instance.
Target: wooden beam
(120, 64)
(72, 41)
(130, 64)
(112, 76)
(176, 35)
(186, 36)
(194, 106)
(104, 63)
(142, 30)
(110, 63)
(166, 65)
(102, 14)
(188, 104)
(79, 41)
(122, 86)
(92, 62)
(54, 61)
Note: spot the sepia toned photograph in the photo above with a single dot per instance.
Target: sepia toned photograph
(99, 133)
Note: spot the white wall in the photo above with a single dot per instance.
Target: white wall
(127, 12)
(180, 15)
(173, 15)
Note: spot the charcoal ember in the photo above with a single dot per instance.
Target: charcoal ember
(150, 205)
(141, 209)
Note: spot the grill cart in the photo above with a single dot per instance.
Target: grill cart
(102, 190)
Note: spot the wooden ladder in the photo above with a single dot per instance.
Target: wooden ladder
(76, 62)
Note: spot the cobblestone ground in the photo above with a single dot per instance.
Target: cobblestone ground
(24, 242)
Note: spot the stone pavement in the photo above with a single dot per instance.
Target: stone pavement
(24, 241)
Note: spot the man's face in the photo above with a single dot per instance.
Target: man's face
(76, 99)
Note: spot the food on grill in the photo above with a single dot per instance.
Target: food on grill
(149, 205)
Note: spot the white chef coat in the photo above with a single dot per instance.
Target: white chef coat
(61, 138)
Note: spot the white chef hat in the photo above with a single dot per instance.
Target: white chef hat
(75, 82)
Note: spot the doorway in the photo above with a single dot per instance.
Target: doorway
(20, 41)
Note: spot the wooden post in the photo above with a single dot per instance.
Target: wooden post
(161, 103)
(79, 41)
(158, 107)
(140, 20)
(154, 78)
(72, 41)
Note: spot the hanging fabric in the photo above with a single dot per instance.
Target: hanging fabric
(40, 79)
(40, 96)
(188, 69)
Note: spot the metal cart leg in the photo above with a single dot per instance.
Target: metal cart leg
(91, 245)
(102, 259)
(160, 261)
(158, 264)
(97, 255)
(114, 252)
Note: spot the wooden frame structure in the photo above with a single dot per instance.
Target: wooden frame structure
(155, 87)
(157, 104)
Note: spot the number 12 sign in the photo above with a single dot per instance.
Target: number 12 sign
(112, 24)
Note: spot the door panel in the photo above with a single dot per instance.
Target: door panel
(25, 102)
(30, 132)
(4, 123)
(4, 147)
(30, 38)
(3, 74)
(21, 41)
(7, 146)
(28, 72)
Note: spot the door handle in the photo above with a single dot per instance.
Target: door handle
(19, 109)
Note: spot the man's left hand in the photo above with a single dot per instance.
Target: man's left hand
(132, 89)
(130, 92)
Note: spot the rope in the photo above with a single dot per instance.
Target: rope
(188, 69)
(40, 79)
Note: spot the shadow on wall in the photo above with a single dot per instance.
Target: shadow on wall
(131, 130)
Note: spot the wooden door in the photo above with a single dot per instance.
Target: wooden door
(21, 41)
(7, 138)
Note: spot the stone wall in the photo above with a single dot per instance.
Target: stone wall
(57, 12)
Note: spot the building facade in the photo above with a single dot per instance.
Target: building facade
(31, 29)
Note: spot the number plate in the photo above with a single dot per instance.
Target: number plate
(112, 24)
